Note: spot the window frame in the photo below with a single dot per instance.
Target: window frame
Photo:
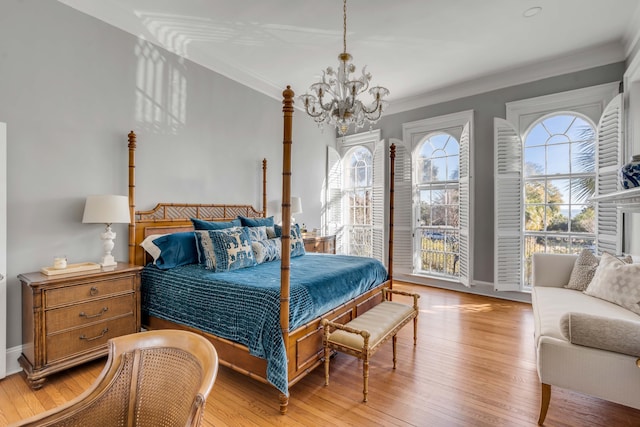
(460, 125)
(589, 102)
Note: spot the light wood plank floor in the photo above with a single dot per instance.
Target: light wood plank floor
(474, 365)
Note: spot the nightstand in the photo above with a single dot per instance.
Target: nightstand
(322, 244)
(67, 319)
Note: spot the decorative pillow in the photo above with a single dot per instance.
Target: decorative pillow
(200, 224)
(226, 250)
(271, 232)
(258, 233)
(616, 282)
(267, 250)
(583, 271)
(256, 222)
(295, 239)
(600, 332)
(176, 249)
(148, 245)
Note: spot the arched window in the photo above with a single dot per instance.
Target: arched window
(357, 192)
(437, 233)
(559, 178)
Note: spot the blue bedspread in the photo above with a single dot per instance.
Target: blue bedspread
(244, 305)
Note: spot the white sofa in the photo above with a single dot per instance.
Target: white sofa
(596, 368)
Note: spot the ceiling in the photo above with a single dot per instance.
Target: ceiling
(423, 51)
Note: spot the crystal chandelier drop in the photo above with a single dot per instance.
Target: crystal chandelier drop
(335, 97)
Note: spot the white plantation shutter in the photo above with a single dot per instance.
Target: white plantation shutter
(608, 160)
(508, 209)
(465, 261)
(378, 205)
(403, 205)
(333, 216)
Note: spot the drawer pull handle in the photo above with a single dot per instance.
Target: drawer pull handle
(93, 291)
(84, 337)
(91, 316)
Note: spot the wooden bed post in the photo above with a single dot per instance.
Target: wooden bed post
(264, 188)
(392, 178)
(287, 110)
(132, 197)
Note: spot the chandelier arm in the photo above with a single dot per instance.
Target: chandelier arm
(377, 106)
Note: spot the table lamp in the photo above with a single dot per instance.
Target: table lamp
(296, 207)
(107, 209)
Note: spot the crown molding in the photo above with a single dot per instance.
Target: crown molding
(601, 55)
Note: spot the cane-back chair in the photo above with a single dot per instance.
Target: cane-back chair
(157, 379)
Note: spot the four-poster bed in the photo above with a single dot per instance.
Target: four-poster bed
(302, 341)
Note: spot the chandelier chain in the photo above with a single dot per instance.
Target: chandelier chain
(344, 27)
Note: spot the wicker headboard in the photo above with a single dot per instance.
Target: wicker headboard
(176, 217)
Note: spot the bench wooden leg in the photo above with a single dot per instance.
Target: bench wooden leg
(415, 330)
(365, 377)
(327, 352)
(394, 339)
(544, 402)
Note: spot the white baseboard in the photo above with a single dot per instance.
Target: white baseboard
(478, 287)
(13, 354)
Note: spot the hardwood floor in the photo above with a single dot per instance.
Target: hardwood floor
(474, 365)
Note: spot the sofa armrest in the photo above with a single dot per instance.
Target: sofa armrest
(552, 269)
(605, 333)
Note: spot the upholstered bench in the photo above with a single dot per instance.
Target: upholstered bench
(365, 334)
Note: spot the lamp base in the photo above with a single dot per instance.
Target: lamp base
(108, 261)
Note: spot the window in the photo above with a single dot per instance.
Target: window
(559, 179)
(436, 165)
(433, 198)
(354, 195)
(357, 191)
(549, 160)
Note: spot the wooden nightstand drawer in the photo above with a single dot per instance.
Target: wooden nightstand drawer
(85, 339)
(83, 292)
(81, 314)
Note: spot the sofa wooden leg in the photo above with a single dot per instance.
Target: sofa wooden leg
(544, 402)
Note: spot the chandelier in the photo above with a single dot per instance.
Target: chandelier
(335, 97)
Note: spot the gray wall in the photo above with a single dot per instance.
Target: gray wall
(72, 87)
(486, 106)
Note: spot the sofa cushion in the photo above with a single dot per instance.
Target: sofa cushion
(583, 271)
(617, 282)
(551, 303)
(620, 336)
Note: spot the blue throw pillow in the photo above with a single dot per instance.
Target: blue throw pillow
(176, 249)
(295, 239)
(199, 224)
(256, 222)
(225, 250)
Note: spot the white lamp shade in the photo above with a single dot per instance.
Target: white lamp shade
(296, 205)
(106, 209)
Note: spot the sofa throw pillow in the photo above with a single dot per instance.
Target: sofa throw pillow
(605, 333)
(226, 250)
(267, 250)
(617, 282)
(200, 224)
(583, 271)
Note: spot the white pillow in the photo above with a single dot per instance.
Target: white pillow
(617, 282)
(147, 245)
